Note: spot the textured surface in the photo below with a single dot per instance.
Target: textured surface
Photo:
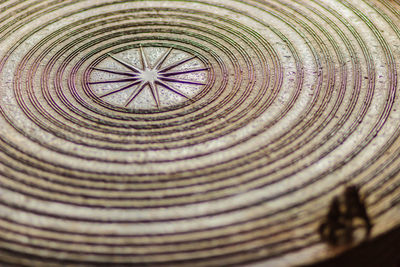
(193, 133)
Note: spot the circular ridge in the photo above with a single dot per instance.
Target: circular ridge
(201, 133)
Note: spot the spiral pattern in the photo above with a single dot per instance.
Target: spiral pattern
(282, 103)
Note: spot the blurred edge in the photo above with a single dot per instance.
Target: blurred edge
(382, 251)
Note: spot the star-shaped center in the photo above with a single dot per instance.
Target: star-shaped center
(149, 75)
(153, 76)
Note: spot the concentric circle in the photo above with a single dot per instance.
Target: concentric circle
(193, 133)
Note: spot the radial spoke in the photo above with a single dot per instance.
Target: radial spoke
(180, 81)
(143, 57)
(135, 93)
(120, 89)
(126, 64)
(177, 64)
(116, 81)
(161, 60)
(154, 92)
(173, 89)
(184, 71)
(116, 72)
(138, 78)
